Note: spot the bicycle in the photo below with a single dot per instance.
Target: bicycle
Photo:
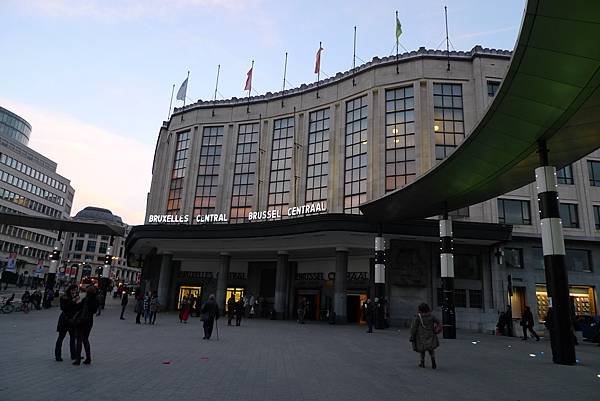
(7, 306)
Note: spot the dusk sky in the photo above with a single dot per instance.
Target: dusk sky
(94, 77)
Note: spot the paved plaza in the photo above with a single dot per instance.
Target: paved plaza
(277, 360)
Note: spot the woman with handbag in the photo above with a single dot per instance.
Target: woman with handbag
(84, 320)
(69, 304)
(423, 334)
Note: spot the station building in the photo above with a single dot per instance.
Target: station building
(260, 197)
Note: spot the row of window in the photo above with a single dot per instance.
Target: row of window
(9, 132)
(31, 188)
(565, 174)
(23, 250)
(31, 172)
(576, 260)
(27, 235)
(90, 246)
(29, 203)
(514, 211)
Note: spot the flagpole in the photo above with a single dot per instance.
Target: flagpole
(447, 40)
(397, 40)
(184, 96)
(284, 74)
(171, 102)
(354, 58)
(250, 88)
(319, 70)
(216, 88)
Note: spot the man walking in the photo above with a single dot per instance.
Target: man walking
(527, 324)
(124, 301)
(209, 313)
(369, 309)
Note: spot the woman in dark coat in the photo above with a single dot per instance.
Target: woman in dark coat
(423, 334)
(69, 305)
(210, 313)
(84, 320)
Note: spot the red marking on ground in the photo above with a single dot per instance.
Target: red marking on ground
(166, 363)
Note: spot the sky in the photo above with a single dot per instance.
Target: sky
(94, 77)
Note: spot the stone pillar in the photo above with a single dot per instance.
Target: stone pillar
(164, 279)
(553, 246)
(341, 271)
(280, 283)
(224, 263)
(447, 274)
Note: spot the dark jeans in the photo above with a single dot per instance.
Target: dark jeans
(370, 323)
(533, 333)
(208, 327)
(123, 310)
(431, 352)
(137, 318)
(83, 338)
(238, 319)
(152, 317)
(72, 343)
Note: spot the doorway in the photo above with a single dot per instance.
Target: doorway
(313, 303)
(354, 303)
(518, 302)
(188, 291)
(236, 292)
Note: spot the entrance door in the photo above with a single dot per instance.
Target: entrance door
(354, 304)
(313, 303)
(237, 293)
(518, 302)
(188, 291)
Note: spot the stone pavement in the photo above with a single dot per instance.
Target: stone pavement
(276, 360)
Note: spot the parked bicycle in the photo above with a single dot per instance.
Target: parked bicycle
(6, 305)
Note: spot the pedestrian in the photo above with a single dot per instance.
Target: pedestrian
(423, 334)
(239, 312)
(184, 310)
(139, 305)
(25, 300)
(208, 314)
(84, 320)
(230, 309)
(301, 310)
(69, 304)
(101, 298)
(147, 308)
(527, 324)
(369, 311)
(154, 307)
(124, 301)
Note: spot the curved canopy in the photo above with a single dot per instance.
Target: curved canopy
(551, 92)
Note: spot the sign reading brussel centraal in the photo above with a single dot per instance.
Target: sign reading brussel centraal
(262, 215)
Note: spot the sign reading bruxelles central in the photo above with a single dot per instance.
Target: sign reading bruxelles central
(273, 214)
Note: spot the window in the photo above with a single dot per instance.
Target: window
(355, 178)
(594, 170)
(400, 166)
(76, 256)
(79, 245)
(208, 171)
(103, 247)
(597, 216)
(565, 175)
(281, 164)
(179, 165)
(475, 299)
(91, 246)
(513, 258)
(460, 298)
(449, 129)
(492, 88)
(244, 171)
(318, 156)
(511, 211)
(537, 256)
(578, 260)
(569, 215)
(467, 267)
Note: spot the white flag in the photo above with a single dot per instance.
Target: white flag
(182, 90)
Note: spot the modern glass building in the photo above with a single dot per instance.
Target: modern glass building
(29, 184)
(261, 197)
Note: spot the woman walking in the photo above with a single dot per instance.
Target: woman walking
(184, 313)
(84, 320)
(69, 304)
(154, 305)
(423, 334)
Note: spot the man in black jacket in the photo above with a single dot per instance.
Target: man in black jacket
(210, 313)
(124, 300)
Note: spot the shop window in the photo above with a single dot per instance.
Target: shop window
(237, 293)
(513, 258)
(188, 291)
(475, 299)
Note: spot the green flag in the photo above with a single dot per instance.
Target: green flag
(398, 29)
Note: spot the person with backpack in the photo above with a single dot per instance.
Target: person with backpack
(69, 305)
(423, 334)
(83, 322)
